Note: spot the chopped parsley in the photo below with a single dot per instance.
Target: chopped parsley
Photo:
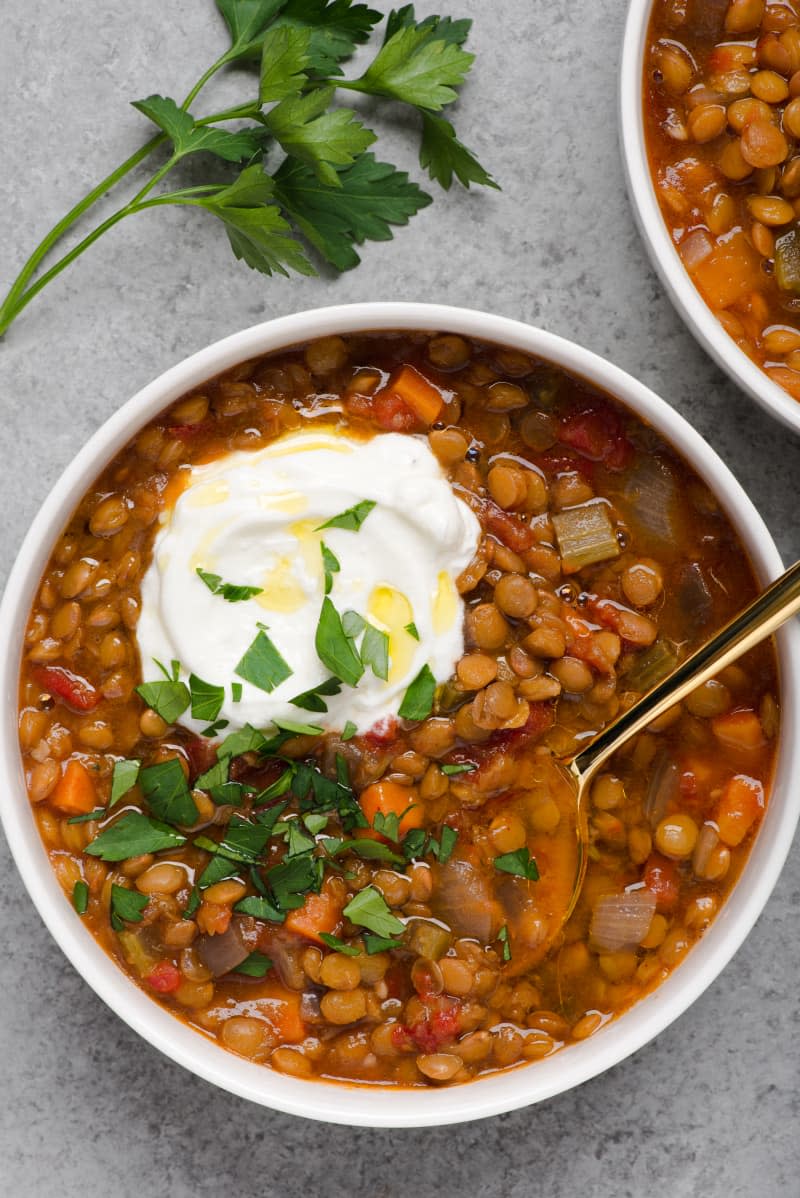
(411, 629)
(167, 793)
(502, 936)
(80, 897)
(262, 664)
(349, 730)
(127, 906)
(228, 590)
(352, 518)
(131, 836)
(236, 692)
(462, 767)
(254, 966)
(247, 740)
(169, 697)
(368, 909)
(299, 729)
(353, 624)
(519, 863)
(207, 699)
(260, 908)
(418, 700)
(375, 652)
(123, 778)
(380, 944)
(338, 945)
(335, 648)
(312, 700)
(330, 566)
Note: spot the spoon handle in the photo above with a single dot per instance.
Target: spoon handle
(761, 618)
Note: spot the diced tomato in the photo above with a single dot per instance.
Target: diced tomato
(661, 879)
(440, 1023)
(392, 413)
(540, 718)
(382, 733)
(553, 462)
(722, 59)
(67, 687)
(597, 433)
(511, 530)
(165, 978)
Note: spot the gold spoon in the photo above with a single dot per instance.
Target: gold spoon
(754, 624)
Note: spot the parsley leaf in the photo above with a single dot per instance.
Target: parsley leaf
(232, 592)
(218, 869)
(368, 909)
(127, 906)
(330, 564)
(254, 966)
(236, 692)
(123, 778)
(519, 863)
(375, 651)
(291, 881)
(320, 138)
(260, 908)
(167, 793)
(131, 836)
(418, 68)
(88, 816)
(192, 905)
(371, 197)
(442, 155)
(336, 26)
(334, 649)
(299, 729)
(352, 518)
(338, 945)
(380, 944)
(262, 664)
(284, 60)
(443, 847)
(418, 700)
(502, 936)
(353, 624)
(247, 21)
(207, 699)
(461, 767)
(312, 700)
(368, 850)
(169, 698)
(214, 777)
(243, 841)
(80, 897)
(442, 28)
(411, 629)
(246, 740)
(349, 730)
(190, 138)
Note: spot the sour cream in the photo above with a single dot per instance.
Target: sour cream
(253, 519)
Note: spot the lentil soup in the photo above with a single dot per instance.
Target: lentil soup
(722, 126)
(375, 903)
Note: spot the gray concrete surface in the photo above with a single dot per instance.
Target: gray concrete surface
(87, 1108)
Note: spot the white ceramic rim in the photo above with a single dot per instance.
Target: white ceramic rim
(699, 318)
(377, 1106)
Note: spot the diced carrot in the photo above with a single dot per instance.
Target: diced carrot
(390, 798)
(213, 918)
(75, 791)
(740, 805)
(661, 879)
(729, 273)
(319, 913)
(739, 729)
(281, 1009)
(421, 396)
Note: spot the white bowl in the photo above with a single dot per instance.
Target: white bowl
(371, 1105)
(699, 318)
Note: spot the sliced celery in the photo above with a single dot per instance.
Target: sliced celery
(652, 665)
(585, 535)
(787, 260)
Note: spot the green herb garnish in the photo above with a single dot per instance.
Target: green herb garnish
(246, 740)
(127, 906)
(352, 518)
(207, 699)
(230, 591)
(338, 945)
(334, 648)
(443, 847)
(502, 936)
(254, 966)
(519, 863)
(311, 700)
(165, 788)
(123, 778)
(411, 629)
(80, 897)
(369, 910)
(88, 816)
(349, 730)
(353, 624)
(330, 566)
(260, 908)
(192, 905)
(462, 767)
(418, 700)
(236, 692)
(168, 698)
(374, 652)
(299, 729)
(262, 664)
(133, 835)
(218, 869)
(380, 944)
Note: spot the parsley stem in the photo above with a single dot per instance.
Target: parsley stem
(204, 78)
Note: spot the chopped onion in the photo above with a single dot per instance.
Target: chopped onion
(620, 921)
(662, 788)
(464, 901)
(695, 247)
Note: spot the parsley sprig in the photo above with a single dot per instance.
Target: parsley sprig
(327, 190)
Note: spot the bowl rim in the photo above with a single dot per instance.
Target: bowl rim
(374, 1106)
(685, 297)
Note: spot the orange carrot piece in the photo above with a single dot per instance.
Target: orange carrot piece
(729, 273)
(75, 791)
(319, 913)
(390, 798)
(281, 1008)
(421, 396)
(740, 805)
(739, 729)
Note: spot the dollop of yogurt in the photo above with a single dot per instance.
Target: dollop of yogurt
(253, 519)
